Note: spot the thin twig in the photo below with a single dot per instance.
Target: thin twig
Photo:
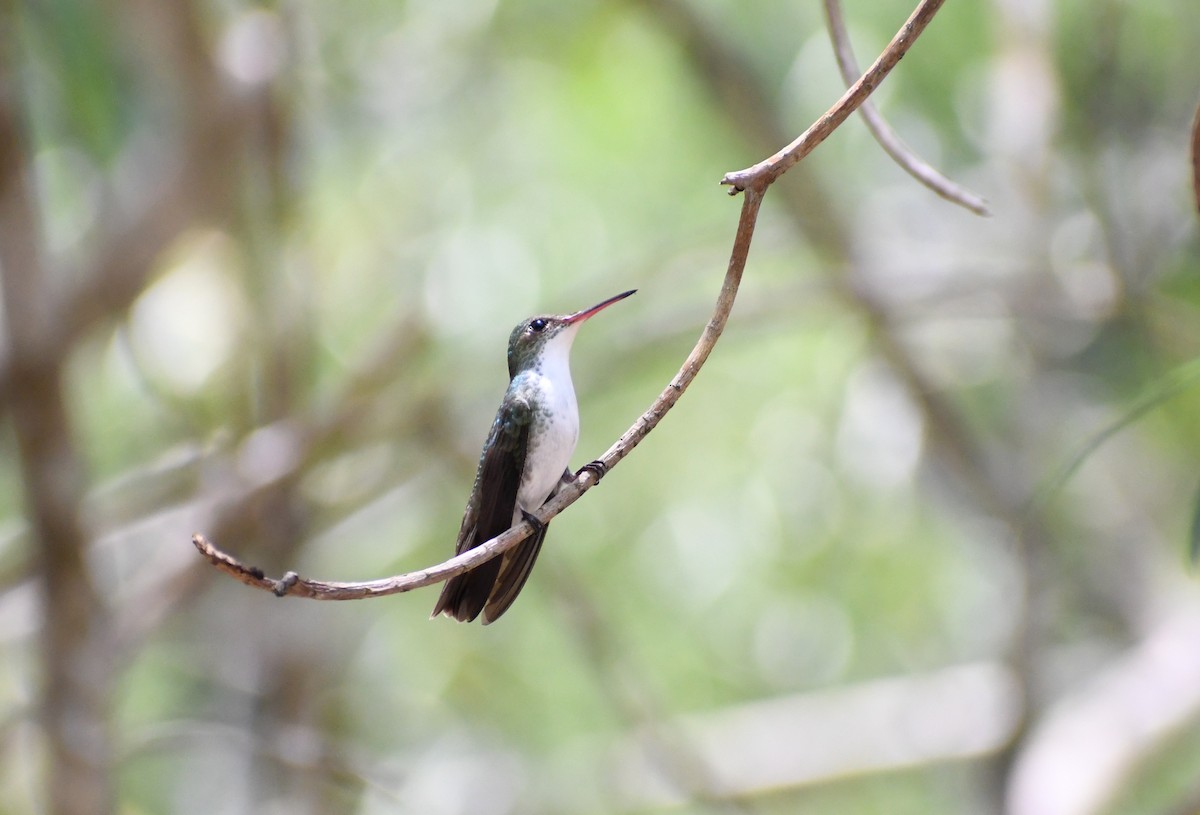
(891, 143)
(753, 182)
(765, 172)
(1157, 394)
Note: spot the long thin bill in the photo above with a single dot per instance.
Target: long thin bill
(580, 316)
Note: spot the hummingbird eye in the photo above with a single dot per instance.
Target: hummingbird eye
(537, 325)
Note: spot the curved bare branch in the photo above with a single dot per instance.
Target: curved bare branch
(754, 182)
(766, 171)
(293, 584)
(891, 143)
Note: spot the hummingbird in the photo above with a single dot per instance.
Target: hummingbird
(524, 462)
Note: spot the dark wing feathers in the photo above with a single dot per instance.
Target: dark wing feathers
(489, 513)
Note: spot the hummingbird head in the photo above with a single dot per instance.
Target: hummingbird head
(532, 339)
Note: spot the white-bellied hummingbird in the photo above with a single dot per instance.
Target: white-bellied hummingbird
(525, 459)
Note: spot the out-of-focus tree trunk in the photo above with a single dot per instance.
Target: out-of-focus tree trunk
(76, 662)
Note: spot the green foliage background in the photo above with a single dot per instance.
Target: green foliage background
(410, 179)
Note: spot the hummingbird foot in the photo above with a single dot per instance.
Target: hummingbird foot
(539, 528)
(597, 468)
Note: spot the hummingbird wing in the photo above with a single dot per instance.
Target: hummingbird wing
(490, 512)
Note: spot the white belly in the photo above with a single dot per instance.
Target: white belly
(553, 435)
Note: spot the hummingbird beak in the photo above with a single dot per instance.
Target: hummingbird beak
(580, 316)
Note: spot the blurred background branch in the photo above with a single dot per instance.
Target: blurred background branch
(76, 675)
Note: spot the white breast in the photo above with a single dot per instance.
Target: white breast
(553, 434)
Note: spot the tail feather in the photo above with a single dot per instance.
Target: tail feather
(465, 595)
(517, 565)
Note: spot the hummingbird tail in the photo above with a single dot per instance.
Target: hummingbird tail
(515, 571)
(465, 595)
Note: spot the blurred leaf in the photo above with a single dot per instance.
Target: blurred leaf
(76, 44)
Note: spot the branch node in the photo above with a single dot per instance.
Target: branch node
(285, 584)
